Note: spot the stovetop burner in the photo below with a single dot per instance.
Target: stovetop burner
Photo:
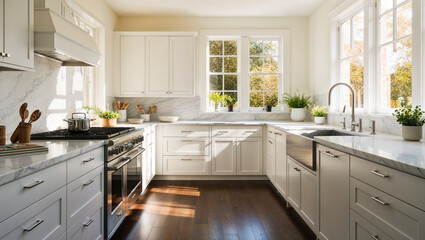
(93, 133)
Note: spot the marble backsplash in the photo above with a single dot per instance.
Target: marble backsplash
(189, 109)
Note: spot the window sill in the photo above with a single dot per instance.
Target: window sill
(372, 115)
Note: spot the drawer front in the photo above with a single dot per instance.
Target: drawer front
(84, 163)
(44, 219)
(89, 226)
(390, 181)
(186, 131)
(250, 131)
(82, 191)
(186, 146)
(271, 132)
(27, 190)
(361, 229)
(186, 165)
(396, 218)
(224, 131)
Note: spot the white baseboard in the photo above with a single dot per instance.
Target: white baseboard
(216, 177)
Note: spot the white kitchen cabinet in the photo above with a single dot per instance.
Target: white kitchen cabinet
(294, 184)
(186, 146)
(149, 156)
(90, 225)
(132, 65)
(281, 166)
(157, 65)
(250, 156)
(271, 158)
(224, 156)
(186, 165)
(182, 61)
(16, 40)
(334, 185)
(361, 229)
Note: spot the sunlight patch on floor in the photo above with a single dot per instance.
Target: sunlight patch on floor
(177, 190)
(162, 209)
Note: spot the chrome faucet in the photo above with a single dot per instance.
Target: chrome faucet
(353, 119)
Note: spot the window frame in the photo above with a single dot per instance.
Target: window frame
(243, 69)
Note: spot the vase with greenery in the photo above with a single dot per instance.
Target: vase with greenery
(270, 103)
(216, 98)
(319, 114)
(107, 118)
(228, 101)
(298, 103)
(412, 121)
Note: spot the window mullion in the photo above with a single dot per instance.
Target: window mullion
(244, 74)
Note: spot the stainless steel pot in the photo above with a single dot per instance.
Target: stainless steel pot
(78, 124)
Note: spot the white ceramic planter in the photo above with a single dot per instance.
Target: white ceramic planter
(298, 114)
(146, 117)
(411, 133)
(319, 120)
(123, 117)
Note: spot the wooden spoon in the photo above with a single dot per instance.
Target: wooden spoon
(26, 114)
(117, 105)
(152, 109)
(34, 116)
(141, 109)
(22, 110)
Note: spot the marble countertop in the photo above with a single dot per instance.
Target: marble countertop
(18, 166)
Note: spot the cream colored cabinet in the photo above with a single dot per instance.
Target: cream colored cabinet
(149, 156)
(16, 40)
(182, 61)
(250, 156)
(271, 157)
(294, 184)
(334, 185)
(361, 229)
(186, 165)
(281, 166)
(157, 65)
(224, 156)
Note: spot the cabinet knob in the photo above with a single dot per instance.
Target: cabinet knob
(8, 55)
(2, 54)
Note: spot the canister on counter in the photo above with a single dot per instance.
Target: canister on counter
(2, 135)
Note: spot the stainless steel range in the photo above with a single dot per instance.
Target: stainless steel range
(123, 168)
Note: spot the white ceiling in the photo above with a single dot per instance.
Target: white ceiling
(215, 8)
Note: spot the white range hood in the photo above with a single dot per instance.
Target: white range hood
(59, 38)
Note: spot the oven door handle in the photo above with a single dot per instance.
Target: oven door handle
(125, 162)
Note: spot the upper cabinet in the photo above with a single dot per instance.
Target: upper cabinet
(16, 29)
(155, 64)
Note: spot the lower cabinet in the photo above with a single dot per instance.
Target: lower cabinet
(90, 225)
(250, 156)
(186, 165)
(294, 184)
(224, 156)
(281, 166)
(361, 229)
(271, 159)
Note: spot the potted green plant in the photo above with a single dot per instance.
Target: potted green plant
(107, 118)
(319, 114)
(216, 98)
(270, 103)
(298, 103)
(229, 102)
(412, 121)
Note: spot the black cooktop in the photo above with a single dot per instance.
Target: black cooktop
(93, 133)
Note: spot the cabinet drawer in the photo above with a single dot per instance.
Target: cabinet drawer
(84, 163)
(186, 165)
(44, 219)
(186, 146)
(81, 191)
(361, 229)
(186, 131)
(250, 131)
(224, 131)
(271, 133)
(27, 190)
(89, 225)
(390, 181)
(396, 218)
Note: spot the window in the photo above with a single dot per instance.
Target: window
(246, 65)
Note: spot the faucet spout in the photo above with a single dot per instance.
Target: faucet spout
(352, 97)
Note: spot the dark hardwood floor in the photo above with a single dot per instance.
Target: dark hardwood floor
(212, 210)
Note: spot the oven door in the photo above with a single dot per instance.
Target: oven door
(134, 169)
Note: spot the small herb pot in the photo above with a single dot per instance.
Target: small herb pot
(411, 133)
(230, 108)
(269, 108)
(319, 120)
(108, 122)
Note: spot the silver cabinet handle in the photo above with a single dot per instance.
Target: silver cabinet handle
(88, 223)
(186, 159)
(270, 142)
(34, 184)
(119, 214)
(280, 134)
(250, 132)
(221, 132)
(186, 140)
(88, 160)
(8, 55)
(36, 224)
(88, 183)
(379, 174)
(327, 153)
(376, 199)
(374, 237)
(270, 131)
(185, 131)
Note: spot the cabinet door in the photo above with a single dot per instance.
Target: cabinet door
(182, 66)
(18, 33)
(157, 65)
(224, 156)
(132, 65)
(334, 202)
(308, 203)
(361, 229)
(271, 160)
(294, 184)
(250, 156)
(281, 175)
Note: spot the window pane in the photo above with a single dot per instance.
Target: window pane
(233, 95)
(404, 20)
(230, 48)
(230, 64)
(271, 98)
(256, 99)
(400, 1)
(270, 65)
(256, 82)
(385, 5)
(216, 48)
(387, 27)
(358, 33)
(396, 74)
(230, 82)
(216, 64)
(271, 82)
(346, 38)
(255, 64)
(216, 82)
(256, 47)
(271, 48)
